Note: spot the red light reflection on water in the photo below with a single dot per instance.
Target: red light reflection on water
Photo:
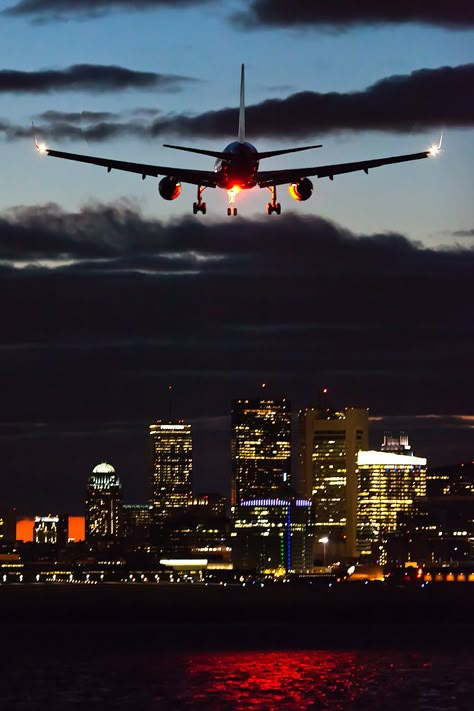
(258, 681)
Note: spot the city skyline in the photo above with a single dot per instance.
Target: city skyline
(136, 486)
(110, 293)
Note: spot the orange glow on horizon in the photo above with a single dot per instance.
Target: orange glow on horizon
(76, 528)
(24, 529)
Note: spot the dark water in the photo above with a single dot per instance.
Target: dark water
(64, 678)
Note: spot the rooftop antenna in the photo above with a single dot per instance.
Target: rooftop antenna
(170, 403)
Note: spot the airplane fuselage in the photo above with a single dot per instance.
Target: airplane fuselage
(240, 169)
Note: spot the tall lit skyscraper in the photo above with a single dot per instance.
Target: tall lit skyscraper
(103, 504)
(171, 480)
(328, 443)
(261, 449)
(389, 482)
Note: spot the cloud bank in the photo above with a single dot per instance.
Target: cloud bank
(344, 14)
(424, 99)
(86, 77)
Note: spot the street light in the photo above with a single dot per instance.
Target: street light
(324, 541)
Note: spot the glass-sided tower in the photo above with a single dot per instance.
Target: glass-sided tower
(171, 480)
(103, 504)
(389, 483)
(261, 449)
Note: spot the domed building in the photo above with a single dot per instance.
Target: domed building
(103, 504)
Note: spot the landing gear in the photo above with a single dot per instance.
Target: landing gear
(273, 206)
(199, 206)
(231, 194)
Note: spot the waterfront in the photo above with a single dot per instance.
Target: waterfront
(291, 680)
(160, 647)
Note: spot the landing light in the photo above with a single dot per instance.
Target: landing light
(232, 193)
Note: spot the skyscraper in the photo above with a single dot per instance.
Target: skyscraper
(171, 479)
(103, 504)
(328, 443)
(261, 449)
(389, 483)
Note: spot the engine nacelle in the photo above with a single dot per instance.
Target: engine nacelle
(302, 190)
(169, 188)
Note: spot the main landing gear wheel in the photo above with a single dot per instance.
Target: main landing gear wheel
(232, 211)
(273, 206)
(276, 207)
(199, 206)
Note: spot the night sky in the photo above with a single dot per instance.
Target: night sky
(109, 293)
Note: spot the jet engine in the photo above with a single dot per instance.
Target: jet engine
(169, 188)
(302, 190)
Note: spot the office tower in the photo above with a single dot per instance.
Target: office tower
(136, 524)
(272, 535)
(103, 504)
(328, 443)
(171, 480)
(261, 449)
(51, 530)
(7, 524)
(389, 483)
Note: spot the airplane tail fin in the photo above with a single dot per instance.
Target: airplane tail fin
(242, 107)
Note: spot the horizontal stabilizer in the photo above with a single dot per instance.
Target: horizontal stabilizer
(271, 154)
(201, 151)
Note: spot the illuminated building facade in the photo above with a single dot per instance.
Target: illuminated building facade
(389, 483)
(272, 535)
(103, 504)
(171, 481)
(328, 444)
(261, 449)
(52, 530)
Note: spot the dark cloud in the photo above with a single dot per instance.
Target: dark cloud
(86, 77)
(346, 13)
(427, 98)
(463, 233)
(49, 10)
(103, 308)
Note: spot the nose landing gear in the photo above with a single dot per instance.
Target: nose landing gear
(199, 206)
(273, 206)
(232, 210)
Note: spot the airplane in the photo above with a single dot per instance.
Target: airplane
(237, 168)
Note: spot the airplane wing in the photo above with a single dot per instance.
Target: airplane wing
(266, 178)
(205, 178)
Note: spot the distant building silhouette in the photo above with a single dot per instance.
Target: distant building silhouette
(136, 524)
(7, 524)
(51, 530)
(103, 504)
